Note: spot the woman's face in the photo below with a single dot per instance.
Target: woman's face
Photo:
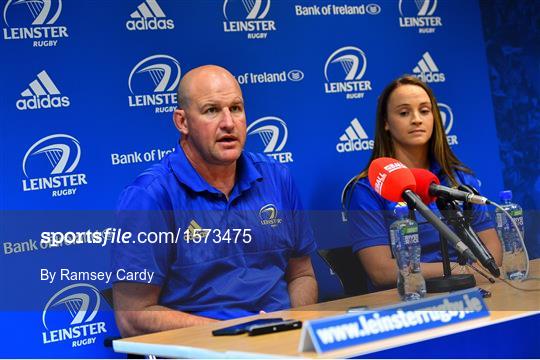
(410, 117)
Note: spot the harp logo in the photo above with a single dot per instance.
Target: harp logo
(248, 16)
(34, 20)
(69, 316)
(272, 133)
(41, 93)
(57, 156)
(153, 82)
(268, 215)
(447, 117)
(344, 72)
(149, 16)
(419, 14)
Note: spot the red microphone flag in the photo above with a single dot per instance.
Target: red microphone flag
(390, 178)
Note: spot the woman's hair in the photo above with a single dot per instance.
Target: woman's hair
(439, 150)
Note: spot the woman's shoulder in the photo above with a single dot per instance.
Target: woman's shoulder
(467, 177)
(463, 175)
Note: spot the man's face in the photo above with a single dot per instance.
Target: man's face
(215, 119)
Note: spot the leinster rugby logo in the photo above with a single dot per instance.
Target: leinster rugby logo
(33, 19)
(268, 215)
(344, 70)
(69, 316)
(419, 14)
(417, 7)
(273, 134)
(153, 82)
(447, 117)
(248, 16)
(56, 155)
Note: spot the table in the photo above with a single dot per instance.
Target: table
(506, 304)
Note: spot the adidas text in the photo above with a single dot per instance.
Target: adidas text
(432, 77)
(355, 145)
(150, 24)
(42, 102)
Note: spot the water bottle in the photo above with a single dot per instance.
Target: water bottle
(514, 257)
(406, 247)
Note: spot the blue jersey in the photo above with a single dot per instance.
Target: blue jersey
(231, 255)
(370, 217)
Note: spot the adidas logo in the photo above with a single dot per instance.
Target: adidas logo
(149, 16)
(427, 71)
(42, 93)
(354, 139)
(195, 232)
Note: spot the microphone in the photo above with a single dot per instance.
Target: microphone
(395, 182)
(452, 213)
(434, 189)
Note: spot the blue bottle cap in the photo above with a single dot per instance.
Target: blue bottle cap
(505, 195)
(401, 211)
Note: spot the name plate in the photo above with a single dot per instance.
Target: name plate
(342, 331)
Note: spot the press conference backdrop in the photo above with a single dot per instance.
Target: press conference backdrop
(88, 91)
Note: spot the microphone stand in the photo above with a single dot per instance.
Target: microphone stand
(449, 282)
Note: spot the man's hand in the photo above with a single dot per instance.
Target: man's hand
(137, 311)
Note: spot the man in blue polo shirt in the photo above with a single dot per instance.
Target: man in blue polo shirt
(243, 241)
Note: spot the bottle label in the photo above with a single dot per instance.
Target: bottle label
(409, 230)
(516, 212)
(411, 239)
(499, 219)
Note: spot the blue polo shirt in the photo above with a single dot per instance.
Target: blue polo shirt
(370, 217)
(228, 273)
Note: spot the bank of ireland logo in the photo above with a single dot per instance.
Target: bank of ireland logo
(50, 163)
(447, 117)
(41, 93)
(69, 316)
(427, 70)
(268, 215)
(265, 77)
(33, 19)
(419, 14)
(295, 75)
(373, 9)
(149, 16)
(344, 71)
(272, 134)
(248, 16)
(153, 82)
(354, 138)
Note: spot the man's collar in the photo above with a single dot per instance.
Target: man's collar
(247, 173)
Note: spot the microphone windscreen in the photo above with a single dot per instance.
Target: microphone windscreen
(424, 178)
(390, 178)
